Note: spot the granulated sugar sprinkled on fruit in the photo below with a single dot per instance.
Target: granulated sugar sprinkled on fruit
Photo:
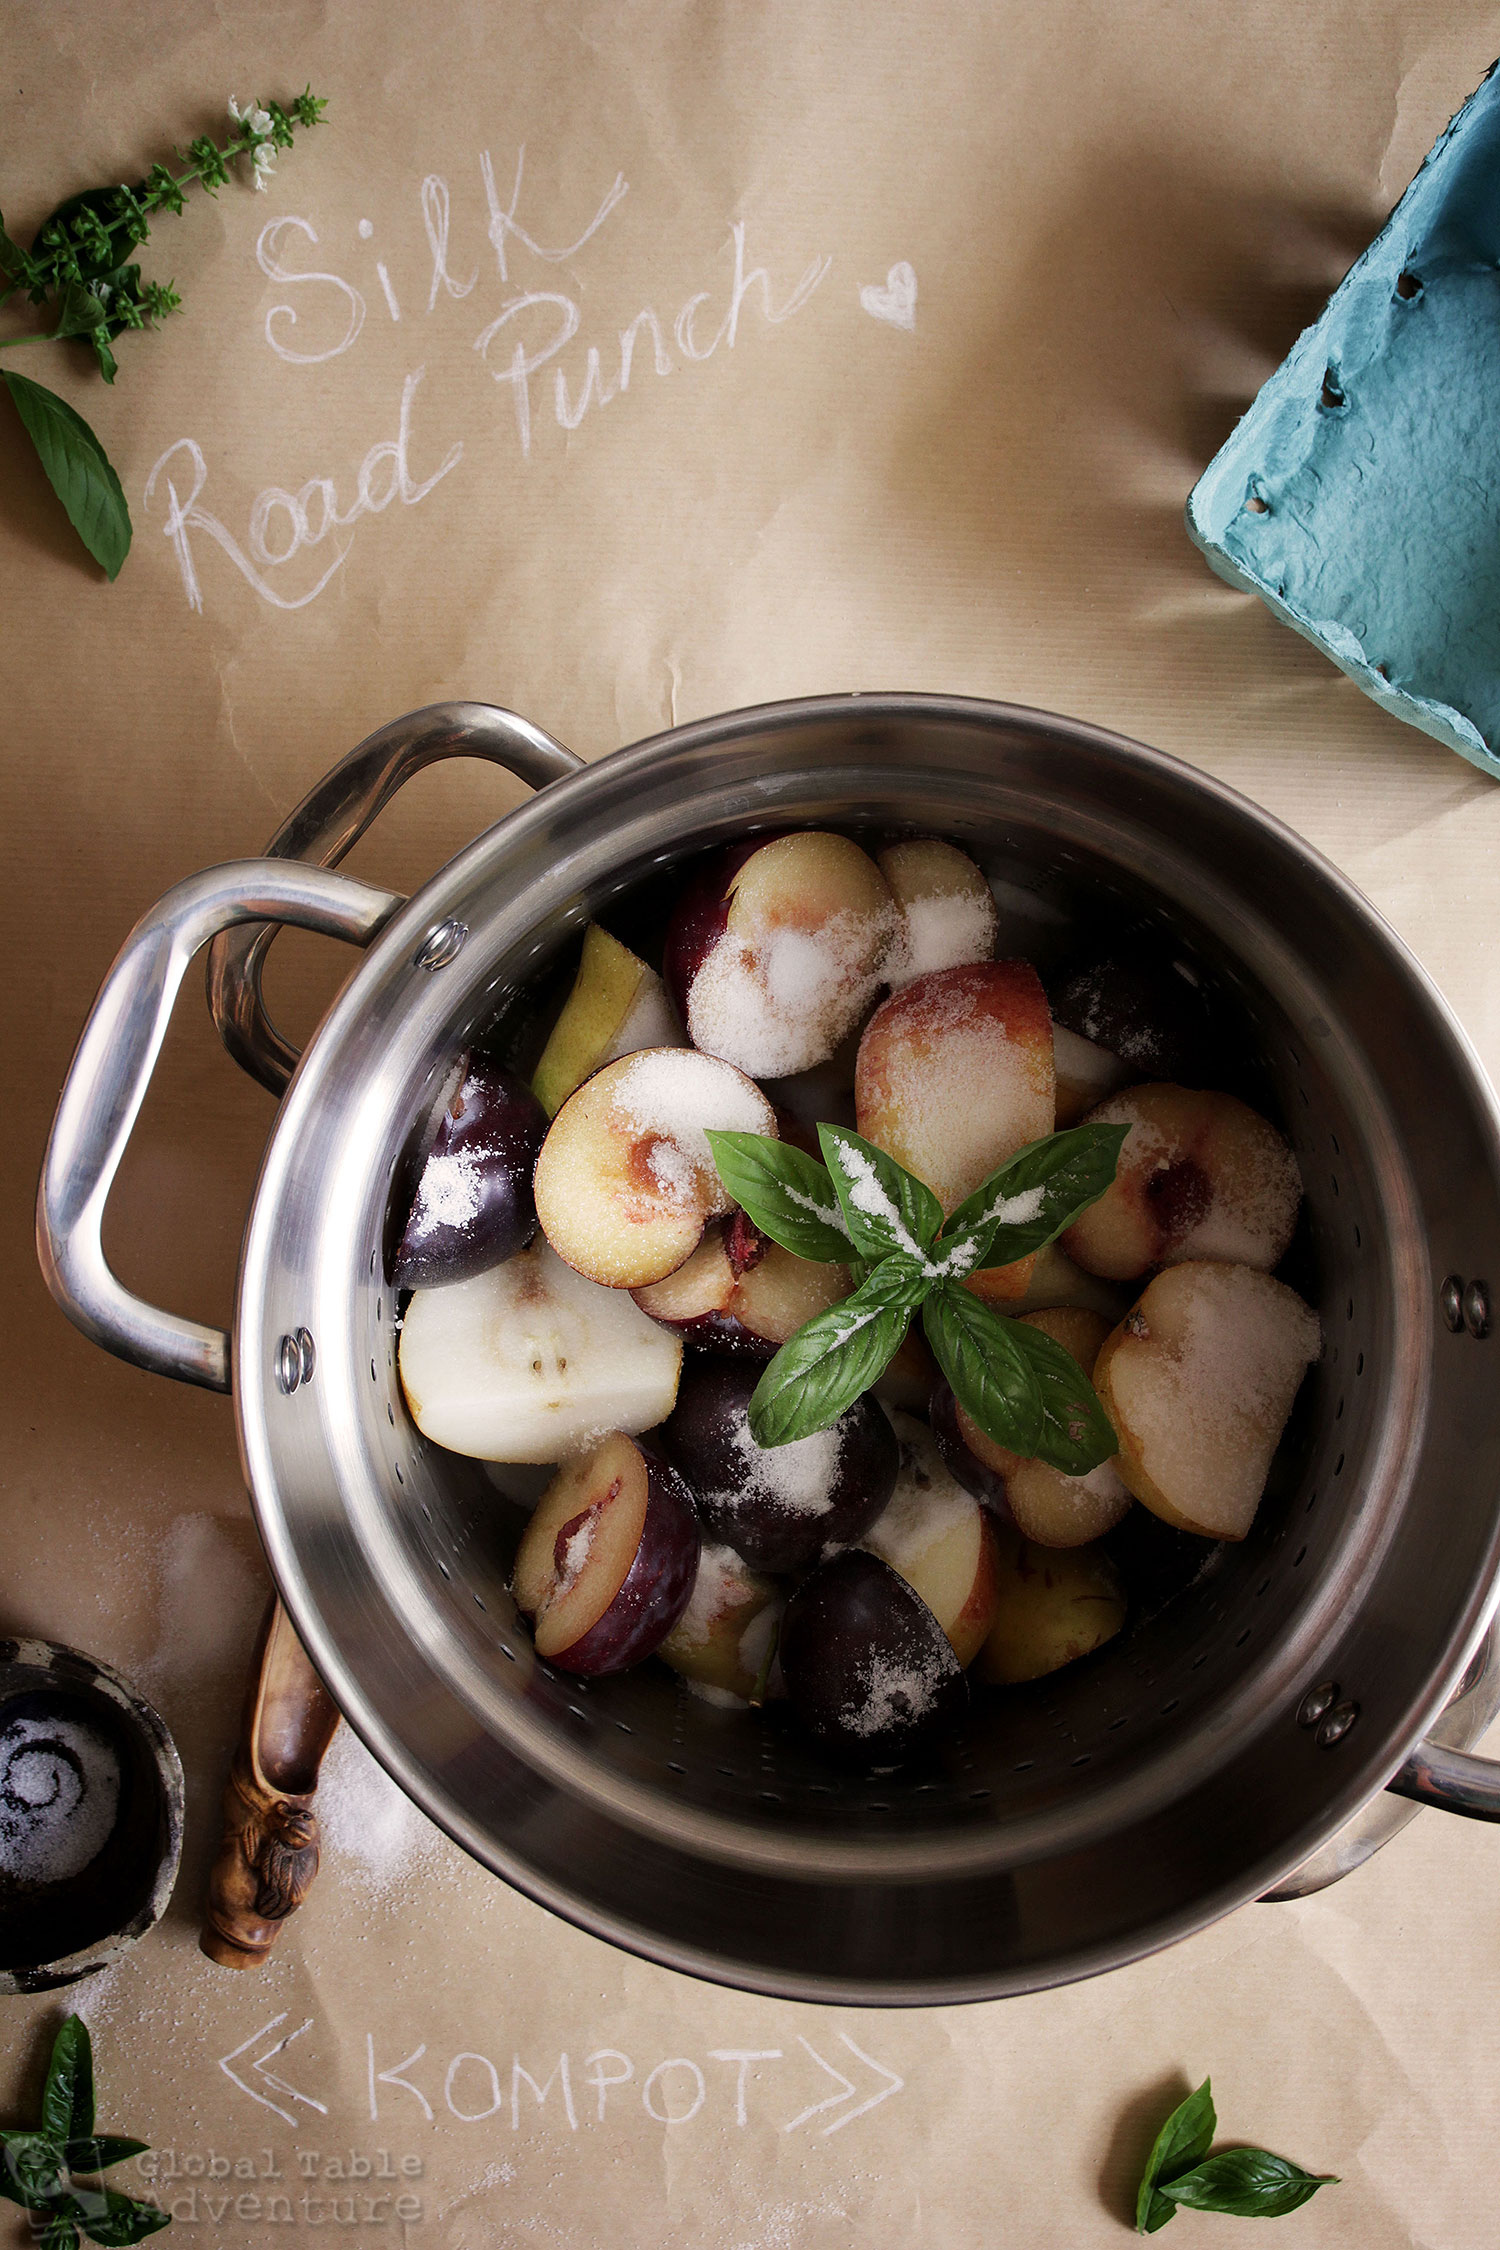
(941, 933)
(889, 1694)
(926, 1504)
(448, 1193)
(59, 1798)
(780, 1003)
(798, 1477)
(668, 1096)
(720, 1581)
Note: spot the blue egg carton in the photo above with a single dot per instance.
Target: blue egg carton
(1360, 495)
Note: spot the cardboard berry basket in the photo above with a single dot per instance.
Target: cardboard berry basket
(1243, 1732)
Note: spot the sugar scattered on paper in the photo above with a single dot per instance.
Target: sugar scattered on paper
(59, 1798)
(379, 1836)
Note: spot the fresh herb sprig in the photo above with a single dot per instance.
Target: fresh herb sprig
(1247, 2183)
(860, 1208)
(51, 2171)
(80, 268)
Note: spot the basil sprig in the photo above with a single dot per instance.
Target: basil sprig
(1247, 2183)
(39, 2169)
(861, 1208)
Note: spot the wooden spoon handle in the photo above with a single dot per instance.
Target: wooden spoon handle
(268, 1854)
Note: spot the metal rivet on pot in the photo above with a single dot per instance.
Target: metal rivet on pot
(288, 1364)
(440, 946)
(1477, 1308)
(1337, 1724)
(1451, 1298)
(1316, 1702)
(306, 1355)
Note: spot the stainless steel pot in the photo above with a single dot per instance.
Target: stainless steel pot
(1196, 1763)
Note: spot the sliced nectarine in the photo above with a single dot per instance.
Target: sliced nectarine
(1198, 1380)
(939, 1538)
(955, 1073)
(1201, 1175)
(1052, 1608)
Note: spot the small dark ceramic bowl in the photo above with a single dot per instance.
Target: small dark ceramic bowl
(76, 1737)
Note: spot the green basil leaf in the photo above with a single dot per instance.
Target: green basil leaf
(1183, 2141)
(32, 2170)
(61, 2234)
(1029, 1201)
(123, 2220)
(79, 472)
(990, 1374)
(1247, 2183)
(1076, 1432)
(100, 2151)
(68, 2096)
(79, 311)
(832, 1359)
(787, 1193)
(885, 1207)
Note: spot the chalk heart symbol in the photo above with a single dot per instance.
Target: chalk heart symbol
(896, 300)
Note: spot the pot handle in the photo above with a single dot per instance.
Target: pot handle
(107, 1083)
(331, 819)
(1451, 1780)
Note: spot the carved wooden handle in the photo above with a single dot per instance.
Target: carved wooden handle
(268, 1855)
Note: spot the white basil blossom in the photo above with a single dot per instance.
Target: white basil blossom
(258, 120)
(264, 161)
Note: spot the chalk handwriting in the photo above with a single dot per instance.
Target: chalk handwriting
(268, 258)
(474, 2087)
(532, 346)
(259, 2067)
(294, 519)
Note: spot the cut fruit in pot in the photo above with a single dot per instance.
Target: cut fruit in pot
(1046, 1506)
(945, 909)
(955, 1075)
(1052, 1608)
(606, 1565)
(1201, 1175)
(473, 1205)
(530, 1361)
(617, 1006)
(754, 1311)
(869, 1670)
(1198, 1380)
(775, 951)
(938, 1537)
(777, 1506)
(625, 1183)
(723, 1637)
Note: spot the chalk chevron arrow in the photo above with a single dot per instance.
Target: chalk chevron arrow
(845, 2089)
(259, 2067)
